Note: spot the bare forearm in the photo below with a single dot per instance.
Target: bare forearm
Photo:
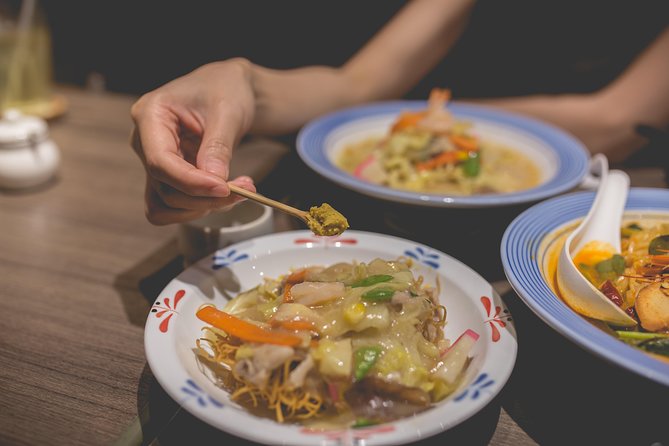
(406, 49)
(641, 93)
(602, 130)
(286, 99)
(606, 120)
(387, 67)
(580, 115)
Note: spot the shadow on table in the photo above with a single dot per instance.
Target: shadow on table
(560, 394)
(139, 285)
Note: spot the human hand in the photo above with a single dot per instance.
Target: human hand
(184, 135)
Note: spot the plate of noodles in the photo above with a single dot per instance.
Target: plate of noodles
(637, 279)
(296, 339)
(443, 154)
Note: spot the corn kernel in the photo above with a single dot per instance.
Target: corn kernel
(354, 313)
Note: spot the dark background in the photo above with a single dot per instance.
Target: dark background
(509, 48)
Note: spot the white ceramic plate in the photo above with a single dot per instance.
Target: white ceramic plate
(524, 249)
(561, 158)
(172, 328)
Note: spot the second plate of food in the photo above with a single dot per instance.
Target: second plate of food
(439, 154)
(296, 339)
(637, 280)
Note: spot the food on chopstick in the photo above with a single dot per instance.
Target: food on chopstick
(326, 220)
(343, 345)
(431, 151)
(323, 220)
(636, 280)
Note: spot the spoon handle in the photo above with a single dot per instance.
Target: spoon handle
(268, 202)
(607, 211)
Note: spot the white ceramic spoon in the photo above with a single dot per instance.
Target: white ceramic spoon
(602, 223)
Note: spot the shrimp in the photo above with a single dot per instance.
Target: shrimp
(437, 118)
(316, 293)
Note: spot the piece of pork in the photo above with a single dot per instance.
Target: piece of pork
(297, 376)
(266, 357)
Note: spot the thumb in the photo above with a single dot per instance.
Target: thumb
(215, 152)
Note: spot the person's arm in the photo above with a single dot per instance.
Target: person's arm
(185, 130)
(389, 65)
(605, 121)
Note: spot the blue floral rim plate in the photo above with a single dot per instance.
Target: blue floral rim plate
(523, 251)
(172, 329)
(561, 158)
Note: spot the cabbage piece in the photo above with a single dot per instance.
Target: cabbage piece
(376, 316)
(339, 272)
(404, 279)
(455, 359)
(378, 266)
(334, 358)
(243, 301)
(402, 364)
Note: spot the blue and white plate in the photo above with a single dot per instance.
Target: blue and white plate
(524, 255)
(561, 158)
(172, 329)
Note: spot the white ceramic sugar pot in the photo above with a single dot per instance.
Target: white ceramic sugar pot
(28, 157)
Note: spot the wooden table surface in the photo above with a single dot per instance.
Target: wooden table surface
(80, 267)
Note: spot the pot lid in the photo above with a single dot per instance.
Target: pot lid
(17, 128)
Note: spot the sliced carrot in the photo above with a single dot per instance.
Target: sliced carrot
(407, 120)
(440, 160)
(464, 142)
(293, 279)
(287, 297)
(297, 277)
(246, 331)
(659, 259)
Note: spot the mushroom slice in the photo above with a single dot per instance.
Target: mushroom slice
(652, 307)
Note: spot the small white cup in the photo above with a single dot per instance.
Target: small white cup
(199, 238)
(28, 156)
